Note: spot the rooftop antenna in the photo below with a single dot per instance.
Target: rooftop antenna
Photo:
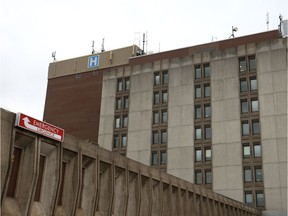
(234, 29)
(143, 41)
(93, 50)
(102, 48)
(54, 56)
(214, 38)
(146, 41)
(267, 21)
(279, 26)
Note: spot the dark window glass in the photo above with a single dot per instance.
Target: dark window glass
(242, 65)
(198, 155)
(157, 79)
(243, 85)
(257, 150)
(197, 92)
(155, 118)
(117, 122)
(154, 158)
(155, 137)
(197, 112)
(260, 200)
(118, 103)
(197, 72)
(165, 77)
(126, 102)
(252, 63)
(207, 92)
(256, 127)
(208, 154)
(163, 157)
(164, 96)
(245, 128)
(156, 98)
(247, 174)
(125, 121)
(246, 151)
(127, 84)
(254, 105)
(258, 174)
(198, 177)
(253, 84)
(119, 85)
(164, 116)
(208, 177)
(249, 198)
(207, 132)
(115, 141)
(207, 111)
(124, 140)
(244, 106)
(198, 135)
(163, 136)
(206, 71)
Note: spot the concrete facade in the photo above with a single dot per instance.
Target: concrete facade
(80, 178)
(228, 164)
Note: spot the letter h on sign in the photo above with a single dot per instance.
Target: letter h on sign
(93, 61)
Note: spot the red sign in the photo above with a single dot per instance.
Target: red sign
(39, 127)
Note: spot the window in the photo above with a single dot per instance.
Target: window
(118, 103)
(197, 91)
(256, 127)
(258, 174)
(154, 158)
(246, 150)
(208, 132)
(119, 85)
(208, 177)
(155, 117)
(126, 102)
(208, 154)
(164, 116)
(124, 140)
(155, 137)
(125, 121)
(254, 105)
(242, 65)
(164, 96)
(247, 174)
(163, 157)
(206, 70)
(257, 150)
(252, 63)
(244, 106)
(249, 198)
(165, 78)
(198, 72)
(207, 92)
(127, 84)
(207, 110)
(198, 177)
(198, 135)
(156, 79)
(115, 141)
(245, 128)
(253, 84)
(243, 85)
(198, 155)
(197, 112)
(156, 98)
(163, 136)
(260, 200)
(117, 122)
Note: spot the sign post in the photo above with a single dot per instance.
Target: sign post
(39, 127)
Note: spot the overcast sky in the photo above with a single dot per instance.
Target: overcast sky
(30, 30)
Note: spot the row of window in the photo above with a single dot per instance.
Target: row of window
(201, 155)
(202, 90)
(244, 87)
(249, 105)
(160, 97)
(123, 84)
(160, 116)
(258, 196)
(158, 158)
(122, 102)
(119, 140)
(203, 176)
(159, 136)
(253, 174)
(206, 133)
(250, 127)
(121, 121)
(247, 64)
(161, 78)
(202, 110)
(251, 151)
(202, 71)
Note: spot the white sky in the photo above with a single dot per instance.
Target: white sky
(30, 30)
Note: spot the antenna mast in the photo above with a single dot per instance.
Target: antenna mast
(102, 48)
(267, 21)
(93, 51)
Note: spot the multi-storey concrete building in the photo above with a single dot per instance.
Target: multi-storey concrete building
(213, 114)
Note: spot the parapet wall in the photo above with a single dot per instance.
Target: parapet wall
(40, 176)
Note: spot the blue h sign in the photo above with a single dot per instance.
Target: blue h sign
(93, 61)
